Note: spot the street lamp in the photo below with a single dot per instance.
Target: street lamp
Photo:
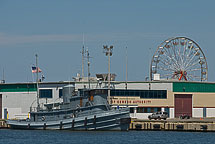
(108, 52)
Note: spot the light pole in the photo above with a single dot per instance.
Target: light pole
(108, 52)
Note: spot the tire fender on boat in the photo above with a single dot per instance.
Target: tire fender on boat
(43, 118)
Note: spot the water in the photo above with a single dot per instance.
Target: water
(134, 137)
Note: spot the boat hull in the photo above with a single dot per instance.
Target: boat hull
(109, 120)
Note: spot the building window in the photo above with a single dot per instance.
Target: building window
(146, 94)
(112, 93)
(145, 110)
(45, 93)
(167, 110)
(140, 110)
(149, 110)
(60, 93)
(131, 110)
(152, 109)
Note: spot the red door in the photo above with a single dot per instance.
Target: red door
(183, 105)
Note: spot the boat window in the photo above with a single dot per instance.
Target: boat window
(60, 93)
(100, 91)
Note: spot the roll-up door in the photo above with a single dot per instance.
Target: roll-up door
(183, 105)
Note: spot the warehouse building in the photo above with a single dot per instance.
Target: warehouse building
(195, 99)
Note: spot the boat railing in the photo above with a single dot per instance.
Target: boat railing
(33, 109)
(21, 116)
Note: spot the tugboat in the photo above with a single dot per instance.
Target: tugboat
(88, 109)
(85, 110)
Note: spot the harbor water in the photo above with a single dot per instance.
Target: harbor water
(105, 137)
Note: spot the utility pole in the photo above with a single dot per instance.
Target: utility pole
(108, 52)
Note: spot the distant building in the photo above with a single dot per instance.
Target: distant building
(176, 97)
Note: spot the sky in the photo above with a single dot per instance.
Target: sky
(54, 30)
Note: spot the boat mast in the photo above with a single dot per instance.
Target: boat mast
(37, 81)
(83, 52)
(88, 64)
(126, 80)
(126, 59)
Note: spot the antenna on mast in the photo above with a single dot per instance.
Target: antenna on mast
(88, 64)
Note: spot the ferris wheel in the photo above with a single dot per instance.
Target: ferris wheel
(179, 58)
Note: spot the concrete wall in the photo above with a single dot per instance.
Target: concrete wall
(171, 112)
(142, 115)
(203, 99)
(197, 112)
(130, 85)
(145, 86)
(18, 103)
(210, 112)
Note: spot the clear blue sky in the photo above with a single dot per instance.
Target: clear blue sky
(53, 29)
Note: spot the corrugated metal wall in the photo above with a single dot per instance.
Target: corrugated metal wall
(193, 87)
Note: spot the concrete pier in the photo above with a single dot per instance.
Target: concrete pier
(174, 125)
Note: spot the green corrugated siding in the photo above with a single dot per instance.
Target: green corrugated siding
(193, 87)
(18, 87)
